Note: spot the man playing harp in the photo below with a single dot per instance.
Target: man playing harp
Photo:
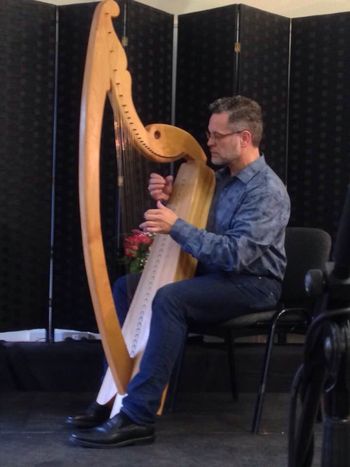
(241, 264)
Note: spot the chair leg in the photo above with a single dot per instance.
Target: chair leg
(263, 378)
(230, 343)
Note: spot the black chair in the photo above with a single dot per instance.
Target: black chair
(306, 248)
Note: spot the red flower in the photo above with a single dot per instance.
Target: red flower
(136, 249)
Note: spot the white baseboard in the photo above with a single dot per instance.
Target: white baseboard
(39, 335)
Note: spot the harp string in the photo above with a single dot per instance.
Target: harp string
(133, 173)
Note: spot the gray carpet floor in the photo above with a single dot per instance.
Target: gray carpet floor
(205, 429)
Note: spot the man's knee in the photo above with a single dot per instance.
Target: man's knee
(167, 305)
(167, 297)
(167, 294)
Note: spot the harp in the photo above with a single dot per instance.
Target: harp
(105, 75)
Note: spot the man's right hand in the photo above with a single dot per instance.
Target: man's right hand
(160, 188)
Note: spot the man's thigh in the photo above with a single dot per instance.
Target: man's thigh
(216, 297)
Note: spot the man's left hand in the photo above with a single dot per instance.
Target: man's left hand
(159, 220)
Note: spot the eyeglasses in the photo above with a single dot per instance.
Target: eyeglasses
(219, 136)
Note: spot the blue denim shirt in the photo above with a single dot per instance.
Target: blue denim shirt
(246, 226)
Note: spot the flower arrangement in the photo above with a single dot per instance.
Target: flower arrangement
(137, 249)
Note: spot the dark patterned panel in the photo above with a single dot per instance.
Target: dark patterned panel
(152, 82)
(149, 50)
(27, 44)
(71, 298)
(319, 163)
(206, 65)
(263, 76)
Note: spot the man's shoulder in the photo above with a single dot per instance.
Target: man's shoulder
(269, 182)
(268, 173)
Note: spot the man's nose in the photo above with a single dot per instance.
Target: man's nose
(210, 141)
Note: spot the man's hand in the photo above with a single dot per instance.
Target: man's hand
(160, 188)
(159, 220)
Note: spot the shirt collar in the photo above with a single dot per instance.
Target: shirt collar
(245, 174)
(252, 169)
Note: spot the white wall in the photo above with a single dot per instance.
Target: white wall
(289, 8)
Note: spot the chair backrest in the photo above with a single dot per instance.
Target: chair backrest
(306, 248)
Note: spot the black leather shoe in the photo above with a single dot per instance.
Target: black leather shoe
(93, 416)
(118, 431)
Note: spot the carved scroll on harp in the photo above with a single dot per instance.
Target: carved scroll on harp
(106, 74)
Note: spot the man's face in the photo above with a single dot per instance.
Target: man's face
(224, 141)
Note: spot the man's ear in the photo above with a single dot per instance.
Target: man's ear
(246, 138)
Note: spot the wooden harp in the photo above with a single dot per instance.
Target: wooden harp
(105, 75)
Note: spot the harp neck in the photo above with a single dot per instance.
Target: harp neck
(106, 66)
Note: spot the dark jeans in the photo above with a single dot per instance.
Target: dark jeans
(206, 299)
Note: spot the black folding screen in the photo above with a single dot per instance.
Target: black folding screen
(299, 71)
(206, 65)
(71, 299)
(263, 75)
(151, 70)
(27, 157)
(319, 162)
(233, 49)
(27, 64)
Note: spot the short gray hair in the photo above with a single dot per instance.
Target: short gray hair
(241, 110)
